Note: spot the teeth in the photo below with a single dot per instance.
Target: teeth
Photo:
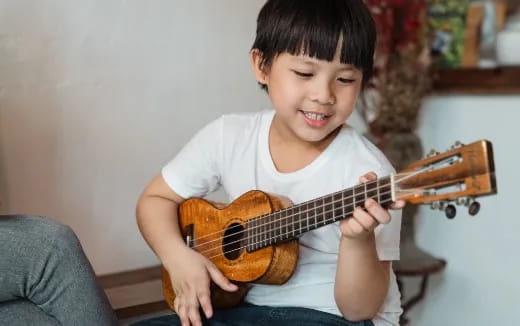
(314, 116)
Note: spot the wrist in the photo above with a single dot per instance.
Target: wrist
(175, 255)
(365, 242)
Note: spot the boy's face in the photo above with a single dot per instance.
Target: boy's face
(311, 97)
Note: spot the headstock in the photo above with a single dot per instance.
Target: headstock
(458, 175)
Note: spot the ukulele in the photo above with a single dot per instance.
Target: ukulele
(254, 239)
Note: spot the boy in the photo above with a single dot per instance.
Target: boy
(312, 58)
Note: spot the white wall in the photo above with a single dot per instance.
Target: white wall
(480, 285)
(95, 96)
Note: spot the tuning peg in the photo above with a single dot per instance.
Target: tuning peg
(462, 201)
(474, 208)
(450, 211)
(457, 145)
(432, 153)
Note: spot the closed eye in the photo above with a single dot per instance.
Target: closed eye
(346, 80)
(303, 74)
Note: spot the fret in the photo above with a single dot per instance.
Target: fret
(263, 236)
(302, 218)
(365, 194)
(321, 214)
(328, 210)
(343, 204)
(353, 199)
(371, 191)
(259, 232)
(386, 195)
(267, 231)
(254, 230)
(306, 220)
(279, 228)
(273, 228)
(251, 237)
(298, 221)
(315, 215)
(250, 233)
(311, 213)
(378, 193)
(338, 207)
(284, 219)
(290, 213)
(359, 195)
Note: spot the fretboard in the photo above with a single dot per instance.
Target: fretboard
(291, 222)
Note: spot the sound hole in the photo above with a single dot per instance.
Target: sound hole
(233, 241)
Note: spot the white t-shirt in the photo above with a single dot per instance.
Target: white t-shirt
(233, 152)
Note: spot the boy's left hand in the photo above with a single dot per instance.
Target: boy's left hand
(363, 222)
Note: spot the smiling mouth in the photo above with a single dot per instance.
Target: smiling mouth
(315, 116)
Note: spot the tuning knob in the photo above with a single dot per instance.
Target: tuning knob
(463, 201)
(457, 145)
(474, 208)
(432, 153)
(450, 211)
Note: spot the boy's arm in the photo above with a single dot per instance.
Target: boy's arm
(190, 272)
(158, 221)
(362, 280)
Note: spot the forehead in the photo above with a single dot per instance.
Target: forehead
(304, 59)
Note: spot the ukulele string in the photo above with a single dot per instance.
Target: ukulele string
(261, 218)
(278, 228)
(240, 248)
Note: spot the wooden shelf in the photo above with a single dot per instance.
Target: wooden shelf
(501, 80)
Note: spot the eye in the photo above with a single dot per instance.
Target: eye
(303, 74)
(346, 80)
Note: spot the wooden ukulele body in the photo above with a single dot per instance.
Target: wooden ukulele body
(202, 224)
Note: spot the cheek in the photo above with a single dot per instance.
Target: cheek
(285, 94)
(349, 97)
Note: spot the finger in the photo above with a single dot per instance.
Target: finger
(220, 279)
(364, 219)
(357, 227)
(176, 305)
(370, 176)
(398, 204)
(193, 311)
(183, 314)
(377, 212)
(205, 302)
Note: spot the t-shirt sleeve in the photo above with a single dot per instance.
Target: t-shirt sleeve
(388, 235)
(196, 170)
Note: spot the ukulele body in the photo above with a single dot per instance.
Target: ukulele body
(208, 228)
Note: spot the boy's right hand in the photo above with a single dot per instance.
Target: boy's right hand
(191, 274)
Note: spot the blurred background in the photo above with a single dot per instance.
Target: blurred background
(96, 96)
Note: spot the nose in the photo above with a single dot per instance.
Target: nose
(323, 93)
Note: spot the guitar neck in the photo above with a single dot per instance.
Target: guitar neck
(289, 223)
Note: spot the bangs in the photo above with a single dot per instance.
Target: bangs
(315, 28)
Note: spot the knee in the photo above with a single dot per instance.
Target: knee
(54, 233)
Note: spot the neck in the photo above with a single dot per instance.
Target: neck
(280, 134)
(289, 223)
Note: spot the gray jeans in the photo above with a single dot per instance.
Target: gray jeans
(45, 278)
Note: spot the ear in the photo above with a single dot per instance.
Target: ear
(258, 68)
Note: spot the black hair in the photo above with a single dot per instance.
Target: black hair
(314, 28)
